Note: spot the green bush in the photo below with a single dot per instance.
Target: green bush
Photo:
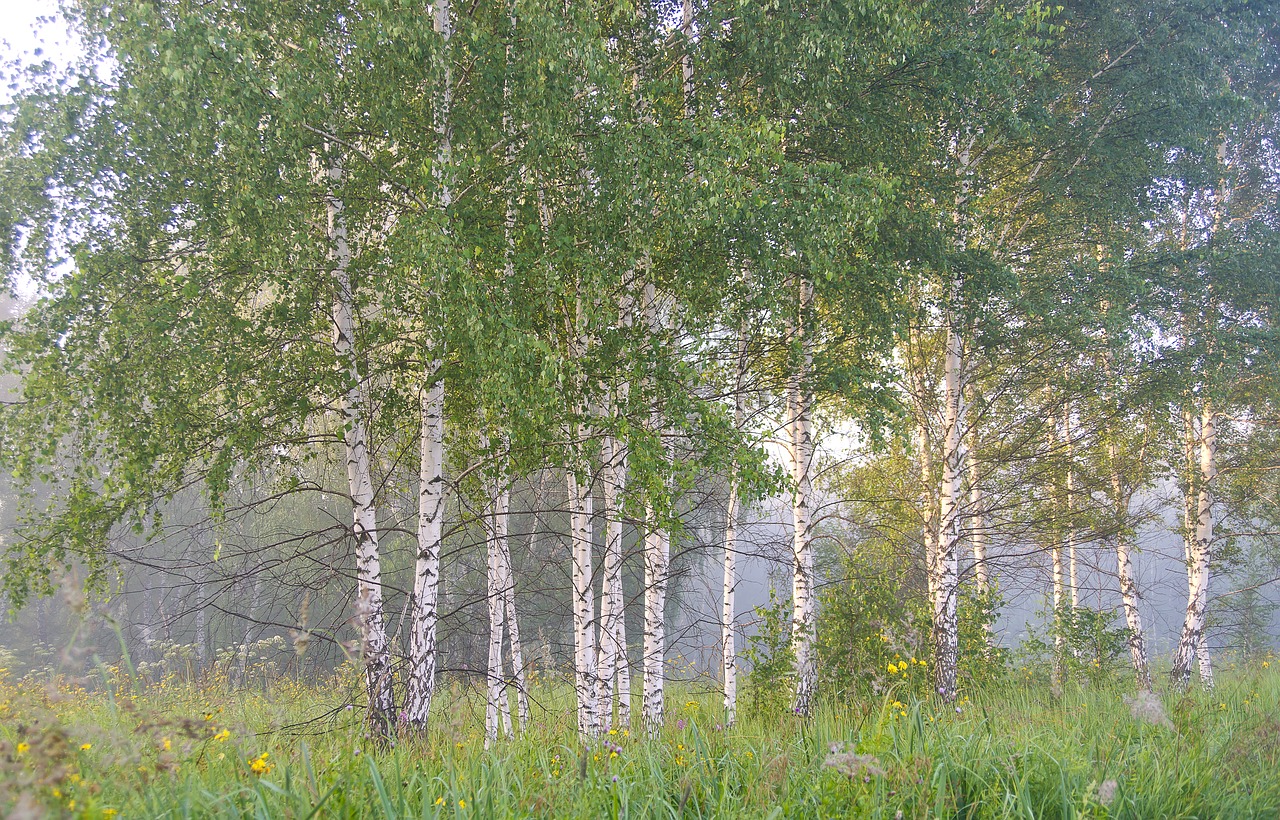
(874, 634)
(768, 688)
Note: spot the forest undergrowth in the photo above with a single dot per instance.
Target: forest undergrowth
(111, 746)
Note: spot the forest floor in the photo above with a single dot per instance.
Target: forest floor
(293, 749)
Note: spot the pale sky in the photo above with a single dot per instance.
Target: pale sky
(20, 35)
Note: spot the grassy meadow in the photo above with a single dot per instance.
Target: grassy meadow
(292, 749)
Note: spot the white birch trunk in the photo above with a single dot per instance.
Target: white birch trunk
(369, 609)
(946, 563)
(507, 584)
(1190, 513)
(1059, 574)
(1192, 641)
(924, 453)
(613, 643)
(657, 557)
(497, 706)
(584, 633)
(1129, 594)
(729, 661)
(426, 581)
(728, 610)
(657, 548)
(1073, 572)
(800, 452)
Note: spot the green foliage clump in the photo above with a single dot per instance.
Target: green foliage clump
(874, 634)
(768, 689)
(1084, 644)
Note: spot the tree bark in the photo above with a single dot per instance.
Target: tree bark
(1059, 575)
(1073, 572)
(657, 557)
(946, 563)
(728, 610)
(426, 583)
(507, 586)
(613, 643)
(800, 451)
(584, 622)
(1129, 594)
(497, 705)
(1192, 642)
(369, 598)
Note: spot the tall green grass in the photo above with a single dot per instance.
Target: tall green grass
(185, 750)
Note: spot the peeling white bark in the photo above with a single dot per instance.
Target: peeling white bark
(1073, 571)
(426, 582)
(1129, 594)
(584, 644)
(729, 661)
(613, 642)
(657, 558)
(657, 549)
(800, 453)
(369, 609)
(1192, 641)
(497, 705)
(946, 566)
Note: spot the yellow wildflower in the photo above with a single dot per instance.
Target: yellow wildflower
(84, 747)
(439, 801)
(462, 804)
(167, 744)
(893, 670)
(23, 748)
(109, 812)
(223, 735)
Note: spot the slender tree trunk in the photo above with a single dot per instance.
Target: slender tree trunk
(657, 557)
(924, 454)
(1073, 572)
(497, 706)
(1190, 513)
(1129, 595)
(584, 623)
(369, 598)
(426, 582)
(613, 645)
(800, 451)
(728, 611)
(729, 660)
(946, 564)
(507, 585)
(1059, 575)
(657, 548)
(1192, 641)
